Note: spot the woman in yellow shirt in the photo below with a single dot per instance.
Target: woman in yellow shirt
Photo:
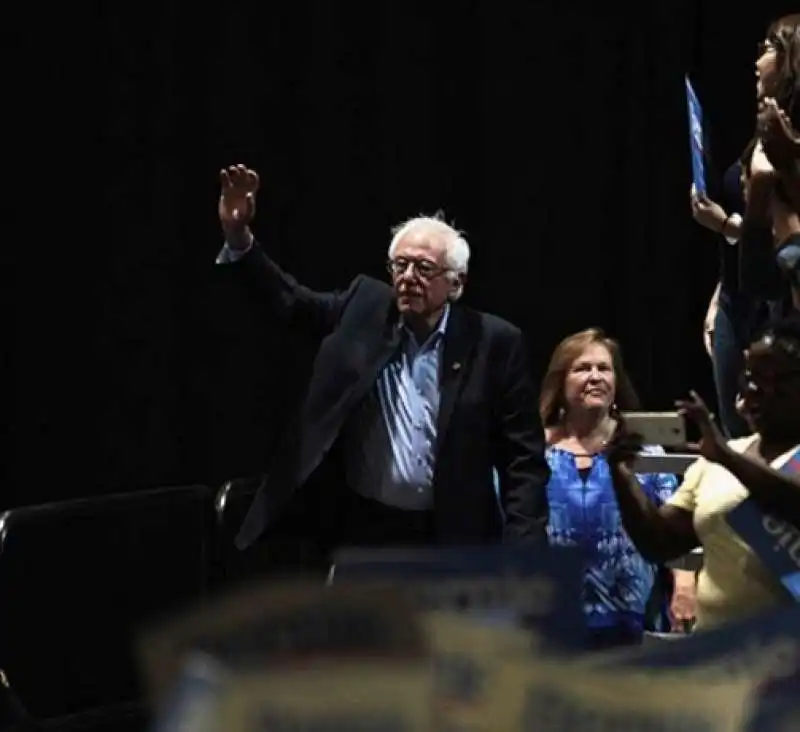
(733, 583)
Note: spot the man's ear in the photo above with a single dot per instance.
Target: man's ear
(457, 281)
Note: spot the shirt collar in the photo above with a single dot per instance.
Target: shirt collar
(441, 326)
(438, 331)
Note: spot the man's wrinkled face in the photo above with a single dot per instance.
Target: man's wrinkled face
(420, 275)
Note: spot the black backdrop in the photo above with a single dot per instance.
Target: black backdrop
(553, 133)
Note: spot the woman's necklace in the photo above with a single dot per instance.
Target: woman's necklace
(609, 426)
(598, 441)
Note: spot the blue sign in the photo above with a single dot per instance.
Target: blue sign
(696, 139)
(536, 587)
(775, 542)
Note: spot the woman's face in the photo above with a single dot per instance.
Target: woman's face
(590, 383)
(771, 390)
(766, 70)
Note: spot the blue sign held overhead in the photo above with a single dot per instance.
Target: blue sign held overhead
(696, 139)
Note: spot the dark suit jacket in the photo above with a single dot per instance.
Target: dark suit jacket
(488, 411)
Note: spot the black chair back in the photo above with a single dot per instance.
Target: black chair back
(230, 506)
(79, 578)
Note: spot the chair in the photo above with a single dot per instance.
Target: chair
(231, 504)
(287, 548)
(77, 579)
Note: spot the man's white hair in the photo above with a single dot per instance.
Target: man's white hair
(456, 248)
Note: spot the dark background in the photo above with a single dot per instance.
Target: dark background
(553, 133)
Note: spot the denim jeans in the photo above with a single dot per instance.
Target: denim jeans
(789, 260)
(734, 327)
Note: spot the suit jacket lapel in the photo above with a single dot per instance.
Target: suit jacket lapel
(379, 352)
(460, 339)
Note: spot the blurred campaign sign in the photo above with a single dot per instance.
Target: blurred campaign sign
(696, 139)
(535, 587)
(550, 696)
(193, 702)
(762, 651)
(351, 697)
(280, 625)
(775, 542)
(468, 659)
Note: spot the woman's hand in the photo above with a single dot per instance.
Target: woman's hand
(706, 212)
(780, 140)
(683, 605)
(760, 166)
(713, 445)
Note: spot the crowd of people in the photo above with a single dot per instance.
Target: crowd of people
(421, 426)
(415, 401)
(759, 251)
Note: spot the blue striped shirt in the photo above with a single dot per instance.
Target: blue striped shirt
(389, 444)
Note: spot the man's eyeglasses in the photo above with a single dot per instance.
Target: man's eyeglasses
(423, 267)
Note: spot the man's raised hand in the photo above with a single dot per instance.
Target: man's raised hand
(237, 204)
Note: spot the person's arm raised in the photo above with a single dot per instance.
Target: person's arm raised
(296, 304)
(774, 492)
(713, 217)
(660, 533)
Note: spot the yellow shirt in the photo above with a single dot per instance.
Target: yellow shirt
(733, 582)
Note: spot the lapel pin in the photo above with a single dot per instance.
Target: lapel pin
(456, 366)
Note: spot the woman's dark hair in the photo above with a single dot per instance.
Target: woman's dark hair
(783, 335)
(784, 35)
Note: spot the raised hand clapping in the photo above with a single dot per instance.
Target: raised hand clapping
(781, 142)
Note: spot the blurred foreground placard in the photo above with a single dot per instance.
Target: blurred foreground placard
(282, 625)
(410, 650)
(550, 696)
(762, 651)
(538, 588)
(489, 678)
(346, 697)
(537, 695)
